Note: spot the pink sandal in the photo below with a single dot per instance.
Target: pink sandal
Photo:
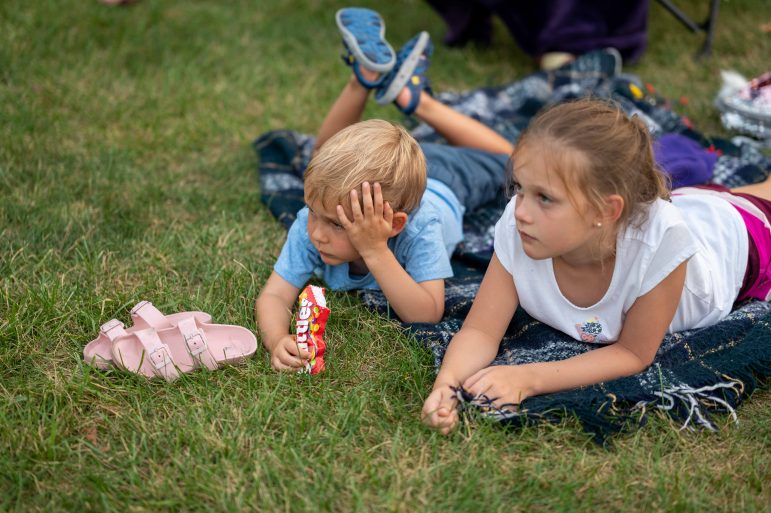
(189, 345)
(145, 315)
(98, 352)
(143, 352)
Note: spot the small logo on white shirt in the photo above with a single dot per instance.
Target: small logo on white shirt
(591, 330)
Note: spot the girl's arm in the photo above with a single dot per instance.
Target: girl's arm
(475, 345)
(644, 328)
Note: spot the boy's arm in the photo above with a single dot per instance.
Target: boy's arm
(273, 310)
(412, 302)
(373, 224)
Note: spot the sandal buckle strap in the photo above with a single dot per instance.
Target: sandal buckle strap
(196, 342)
(139, 306)
(144, 313)
(110, 325)
(161, 357)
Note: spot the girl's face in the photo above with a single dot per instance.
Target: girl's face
(550, 222)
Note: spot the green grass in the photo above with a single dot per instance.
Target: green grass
(126, 173)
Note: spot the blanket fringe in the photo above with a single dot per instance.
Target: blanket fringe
(696, 402)
(692, 406)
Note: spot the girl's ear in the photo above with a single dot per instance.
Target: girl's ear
(614, 205)
(398, 223)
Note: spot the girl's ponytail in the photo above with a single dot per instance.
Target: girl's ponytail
(617, 153)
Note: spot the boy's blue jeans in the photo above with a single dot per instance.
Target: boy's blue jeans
(475, 176)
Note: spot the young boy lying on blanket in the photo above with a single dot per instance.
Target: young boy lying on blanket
(383, 212)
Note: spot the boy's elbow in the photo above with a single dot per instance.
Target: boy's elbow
(429, 318)
(432, 318)
(427, 315)
(266, 303)
(439, 313)
(259, 301)
(435, 310)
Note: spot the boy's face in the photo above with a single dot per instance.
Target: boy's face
(328, 236)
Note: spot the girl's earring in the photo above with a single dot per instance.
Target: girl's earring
(598, 224)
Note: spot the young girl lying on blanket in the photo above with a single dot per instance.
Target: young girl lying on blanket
(595, 245)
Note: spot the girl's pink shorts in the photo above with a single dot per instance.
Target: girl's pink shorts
(756, 213)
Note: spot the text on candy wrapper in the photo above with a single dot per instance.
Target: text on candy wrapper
(302, 323)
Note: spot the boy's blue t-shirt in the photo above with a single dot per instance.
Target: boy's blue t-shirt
(421, 248)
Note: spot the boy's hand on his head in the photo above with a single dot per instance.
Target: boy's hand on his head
(285, 355)
(372, 222)
(440, 410)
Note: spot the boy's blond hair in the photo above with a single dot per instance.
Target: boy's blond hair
(370, 151)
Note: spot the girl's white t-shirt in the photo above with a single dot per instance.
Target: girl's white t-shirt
(705, 230)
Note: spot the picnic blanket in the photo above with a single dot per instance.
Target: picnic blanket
(695, 374)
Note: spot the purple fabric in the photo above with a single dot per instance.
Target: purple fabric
(466, 21)
(572, 26)
(757, 278)
(757, 283)
(684, 160)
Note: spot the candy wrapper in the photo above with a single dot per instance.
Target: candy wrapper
(312, 313)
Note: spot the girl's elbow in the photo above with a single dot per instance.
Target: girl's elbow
(642, 362)
(638, 359)
(647, 361)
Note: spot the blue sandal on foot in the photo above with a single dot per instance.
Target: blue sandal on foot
(410, 71)
(363, 34)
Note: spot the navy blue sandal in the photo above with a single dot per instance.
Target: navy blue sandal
(363, 32)
(412, 62)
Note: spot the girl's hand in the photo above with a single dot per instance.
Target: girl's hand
(440, 410)
(505, 384)
(371, 227)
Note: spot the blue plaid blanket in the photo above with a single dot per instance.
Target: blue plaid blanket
(695, 374)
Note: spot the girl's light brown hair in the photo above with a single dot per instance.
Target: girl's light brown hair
(616, 154)
(371, 151)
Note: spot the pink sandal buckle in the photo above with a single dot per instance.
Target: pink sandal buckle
(160, 358)
(196, 343)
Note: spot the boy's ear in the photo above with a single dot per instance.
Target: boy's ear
(398, 223)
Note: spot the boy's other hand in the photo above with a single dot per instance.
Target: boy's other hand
(286, 355)
(440, 410)
(372, 222)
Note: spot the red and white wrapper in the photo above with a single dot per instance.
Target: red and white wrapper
(311, 320)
